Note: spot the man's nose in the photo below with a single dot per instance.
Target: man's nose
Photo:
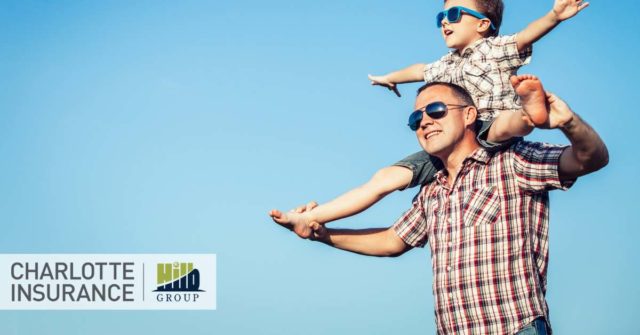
(426, 120)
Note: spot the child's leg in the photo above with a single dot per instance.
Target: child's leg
(409, 172)
(509, 124)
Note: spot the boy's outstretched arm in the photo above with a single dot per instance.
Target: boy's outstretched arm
(562, 10)
(411, 74)
(383, 182)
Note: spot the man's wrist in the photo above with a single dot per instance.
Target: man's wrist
(571, 123)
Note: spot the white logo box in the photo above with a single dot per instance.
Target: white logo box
(104, 282)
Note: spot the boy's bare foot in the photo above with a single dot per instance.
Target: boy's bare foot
(297, 222)
(532, 94)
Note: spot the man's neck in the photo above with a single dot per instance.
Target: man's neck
(453, 161)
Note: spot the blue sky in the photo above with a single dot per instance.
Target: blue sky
(173, 127)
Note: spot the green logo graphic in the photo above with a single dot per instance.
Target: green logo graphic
(177, 277)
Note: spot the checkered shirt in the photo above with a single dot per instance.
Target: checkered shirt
(483, 70)
(488, 235)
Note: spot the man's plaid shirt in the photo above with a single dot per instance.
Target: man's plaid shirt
(488, 234)
(483, 70)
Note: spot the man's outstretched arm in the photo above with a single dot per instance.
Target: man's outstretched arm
(380, 242)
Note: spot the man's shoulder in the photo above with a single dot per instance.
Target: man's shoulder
(527, 148)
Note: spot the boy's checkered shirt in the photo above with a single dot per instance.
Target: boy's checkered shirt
(483, 69)
(488, 235)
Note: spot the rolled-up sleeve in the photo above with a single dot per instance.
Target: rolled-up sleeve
(411, 227)
(536, 166)
(437, 71)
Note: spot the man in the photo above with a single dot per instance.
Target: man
(486, 215)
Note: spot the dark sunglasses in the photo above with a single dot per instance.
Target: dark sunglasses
(435, 110)
(454, 14)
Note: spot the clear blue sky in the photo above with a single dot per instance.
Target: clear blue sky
(174, 126)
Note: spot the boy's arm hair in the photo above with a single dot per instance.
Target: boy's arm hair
(562, 10)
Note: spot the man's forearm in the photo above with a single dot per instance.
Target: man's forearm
(587, 148)
(380, 242)
(411, 74)
(536, 30)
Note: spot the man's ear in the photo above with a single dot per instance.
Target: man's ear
(470, 116)
(483, 26)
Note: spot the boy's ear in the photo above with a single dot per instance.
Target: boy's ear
(483, 26)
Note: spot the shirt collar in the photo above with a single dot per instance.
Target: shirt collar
(470, 49)
(479, 155)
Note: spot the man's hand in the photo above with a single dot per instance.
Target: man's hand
(384, 81)
(319, 232)
(560, 114)
(566, 9)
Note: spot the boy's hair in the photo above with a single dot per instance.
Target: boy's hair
(493, 10)
(460, 93)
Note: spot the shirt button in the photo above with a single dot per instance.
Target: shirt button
(450, 295)
(450, 244)
(448, 268)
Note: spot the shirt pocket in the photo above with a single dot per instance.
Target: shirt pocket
(484, 228)
(478, 79)
(482, 207)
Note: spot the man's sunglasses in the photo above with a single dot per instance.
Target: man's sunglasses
(434, 110)
(454, 14)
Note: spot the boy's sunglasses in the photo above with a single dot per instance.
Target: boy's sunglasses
(435, 110)
(454, 14)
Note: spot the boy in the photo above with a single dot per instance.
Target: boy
(483, 63)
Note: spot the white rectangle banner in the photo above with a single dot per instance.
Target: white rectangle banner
(107, 281)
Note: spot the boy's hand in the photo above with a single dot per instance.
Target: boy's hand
(566, 9)
(384, 81)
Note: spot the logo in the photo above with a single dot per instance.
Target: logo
(107, 281)
(175, 281)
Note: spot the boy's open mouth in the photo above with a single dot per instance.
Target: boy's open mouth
(448, 32)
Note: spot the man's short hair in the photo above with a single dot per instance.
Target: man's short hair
(460, 93)
(493, 10)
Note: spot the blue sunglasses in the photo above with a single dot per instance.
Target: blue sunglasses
(435, 110)
(454, 14)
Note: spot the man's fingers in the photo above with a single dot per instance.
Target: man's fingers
(583, 6)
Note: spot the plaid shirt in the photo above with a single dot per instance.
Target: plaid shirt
(483, 70)
(488, 235)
